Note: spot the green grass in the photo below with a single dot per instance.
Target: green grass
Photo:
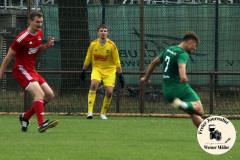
(118, 138)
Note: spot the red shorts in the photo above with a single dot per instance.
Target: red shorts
(25, 76)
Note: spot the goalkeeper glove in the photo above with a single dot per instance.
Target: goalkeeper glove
(121, 80)
(82, 75)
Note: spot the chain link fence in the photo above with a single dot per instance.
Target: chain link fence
(212, 68)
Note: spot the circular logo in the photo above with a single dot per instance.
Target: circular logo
(216, 135)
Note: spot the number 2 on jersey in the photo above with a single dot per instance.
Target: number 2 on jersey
(167, 59)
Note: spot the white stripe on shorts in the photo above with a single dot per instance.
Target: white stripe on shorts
(24, 72)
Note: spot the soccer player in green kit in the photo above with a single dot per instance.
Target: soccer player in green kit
(175, 87)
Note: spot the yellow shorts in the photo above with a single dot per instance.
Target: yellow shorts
(108, 80)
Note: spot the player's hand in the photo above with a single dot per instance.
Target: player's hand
(82, 75)
(184, 80)
(50, 42)
(143, 79)
(121, 80)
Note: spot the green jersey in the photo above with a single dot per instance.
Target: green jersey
(172, 87)
(170, 58)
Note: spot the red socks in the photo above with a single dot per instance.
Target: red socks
(29, 113)
(38, 108)
(38, 105)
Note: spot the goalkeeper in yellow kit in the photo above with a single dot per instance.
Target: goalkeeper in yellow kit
(105, 61)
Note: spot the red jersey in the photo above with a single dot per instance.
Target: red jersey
(26, 45)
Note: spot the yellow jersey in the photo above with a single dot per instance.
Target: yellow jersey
(104, 58)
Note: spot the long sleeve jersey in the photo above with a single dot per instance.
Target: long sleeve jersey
(104, 58)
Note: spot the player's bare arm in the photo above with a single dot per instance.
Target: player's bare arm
(182, 72)
(87, 62)
(49, 44)
(85, 67)
(151, 67)
(119, 69)
(6, 61)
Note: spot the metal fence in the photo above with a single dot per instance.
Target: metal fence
(22, 4)
(212, 69)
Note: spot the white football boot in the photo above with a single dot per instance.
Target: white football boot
(103, 116)
(176, 103)
(89, 116)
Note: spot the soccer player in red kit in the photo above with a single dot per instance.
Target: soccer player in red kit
(25, 48)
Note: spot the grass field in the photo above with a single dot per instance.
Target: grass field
(118, 138)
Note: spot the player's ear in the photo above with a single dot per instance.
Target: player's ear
(191, 41)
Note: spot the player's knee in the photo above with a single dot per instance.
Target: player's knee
(199, 108)
(109, 94)
(93, 87)
(49, 96)
(39, 95)
(201, 111)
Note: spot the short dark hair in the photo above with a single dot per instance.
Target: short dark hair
(102, 26)
(190, 35)
(33, 14)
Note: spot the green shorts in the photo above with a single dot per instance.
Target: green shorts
(184, 93)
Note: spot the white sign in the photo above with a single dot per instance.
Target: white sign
(216, 135)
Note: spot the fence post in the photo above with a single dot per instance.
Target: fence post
(27, 100)
(27, 96)
(5, 4)
(142, 53)
(118, 94)
(103, 11)
(211, 94)
(216, 47)
(29, 8)
(21, 4)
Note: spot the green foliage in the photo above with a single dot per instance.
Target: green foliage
(118, 138)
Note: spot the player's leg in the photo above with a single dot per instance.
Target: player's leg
(109, 82)
(96, 78)
(192, 107)
(195, 112)
(48, 96)
(197, 108)
(106, 101)
(196, 119)
(27, 79)
(186, 99)
(38, 104)
(48, 93)
(91, 97)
